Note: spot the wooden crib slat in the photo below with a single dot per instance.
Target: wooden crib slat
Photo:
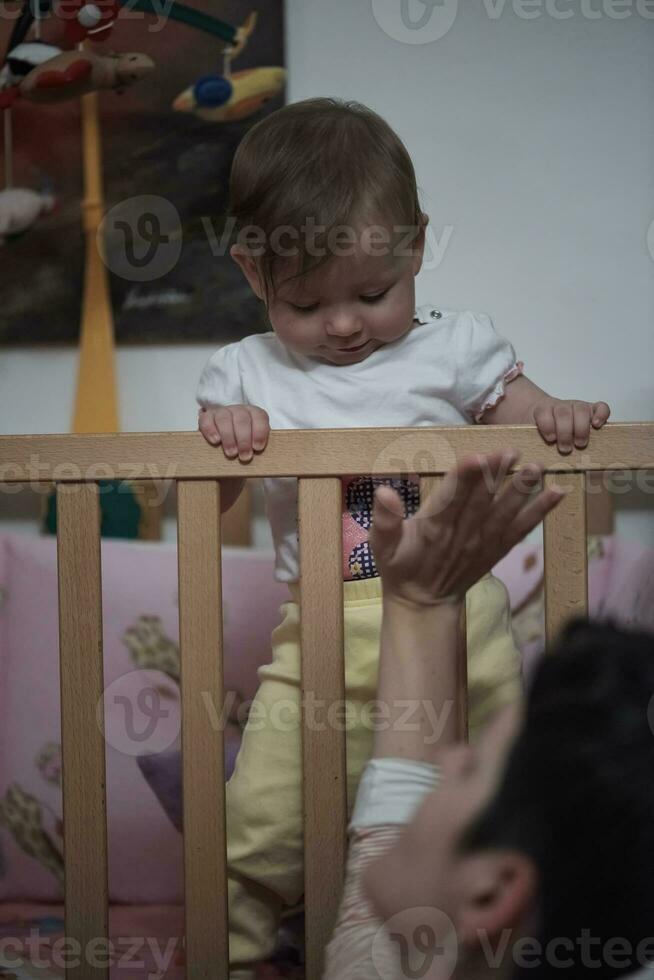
(202, 697)
(427, 485)
(82, 727)
(323, 744)
(565, 554)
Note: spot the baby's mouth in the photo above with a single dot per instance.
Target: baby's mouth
(352, 350)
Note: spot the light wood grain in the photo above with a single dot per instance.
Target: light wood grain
(323, 744)
(308, 452)
(237, 521)
(599, 504)
(202, 697)
(82, 724)
(565, 554)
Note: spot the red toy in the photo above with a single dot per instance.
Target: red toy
(87, 20)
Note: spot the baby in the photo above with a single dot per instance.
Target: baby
(331, 237)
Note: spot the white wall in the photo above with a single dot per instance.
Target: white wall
(534, 149)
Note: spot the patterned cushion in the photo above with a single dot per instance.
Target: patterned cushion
(142, 711)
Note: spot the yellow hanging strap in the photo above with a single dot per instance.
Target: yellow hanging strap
(96, 403)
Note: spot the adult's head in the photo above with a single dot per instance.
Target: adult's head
(539, 844)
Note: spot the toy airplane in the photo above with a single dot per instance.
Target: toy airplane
(219, 98)
(73, 73)
(23, 59)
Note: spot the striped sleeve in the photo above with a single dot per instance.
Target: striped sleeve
(349, 954)
(389, 793)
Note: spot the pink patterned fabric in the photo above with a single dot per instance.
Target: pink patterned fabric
(620, 587)
(146, 941)
(358, 494)
(142, 710)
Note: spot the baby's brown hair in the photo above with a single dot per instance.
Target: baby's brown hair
(325, 163)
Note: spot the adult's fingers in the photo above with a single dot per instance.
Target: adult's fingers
(451, 495)
(386, 530)
(511, 499)
(531, 515)
(473, 517)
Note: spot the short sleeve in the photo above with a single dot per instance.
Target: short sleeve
(485, 364)
(220, 381)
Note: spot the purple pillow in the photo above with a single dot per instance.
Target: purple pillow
(162, 772)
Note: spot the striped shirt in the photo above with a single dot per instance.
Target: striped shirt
(389, 793)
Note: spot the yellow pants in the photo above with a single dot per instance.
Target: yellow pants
(264, 795)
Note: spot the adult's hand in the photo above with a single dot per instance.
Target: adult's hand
(465, 526)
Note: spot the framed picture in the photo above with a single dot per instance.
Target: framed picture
(165, 177)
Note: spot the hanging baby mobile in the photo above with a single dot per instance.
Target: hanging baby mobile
(44, 73)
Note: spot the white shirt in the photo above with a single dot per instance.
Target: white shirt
(446, 370)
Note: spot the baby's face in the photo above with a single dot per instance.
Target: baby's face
(348, 307)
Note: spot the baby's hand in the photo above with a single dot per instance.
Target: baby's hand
(240, 429)
(568, 422)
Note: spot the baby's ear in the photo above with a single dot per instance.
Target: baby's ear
(419, 244)
(248, 267)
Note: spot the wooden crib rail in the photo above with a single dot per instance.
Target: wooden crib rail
(307, 452)
(318, 458)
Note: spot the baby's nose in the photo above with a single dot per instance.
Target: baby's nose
(343, 325)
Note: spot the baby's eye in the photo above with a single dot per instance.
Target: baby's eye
(375, 298)
(304, 309)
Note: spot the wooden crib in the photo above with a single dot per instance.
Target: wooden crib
(318, 458)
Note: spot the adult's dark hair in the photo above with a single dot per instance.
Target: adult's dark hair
(577, 796)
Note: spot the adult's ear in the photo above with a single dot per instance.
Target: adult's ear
(497, 890)
(248, 267)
